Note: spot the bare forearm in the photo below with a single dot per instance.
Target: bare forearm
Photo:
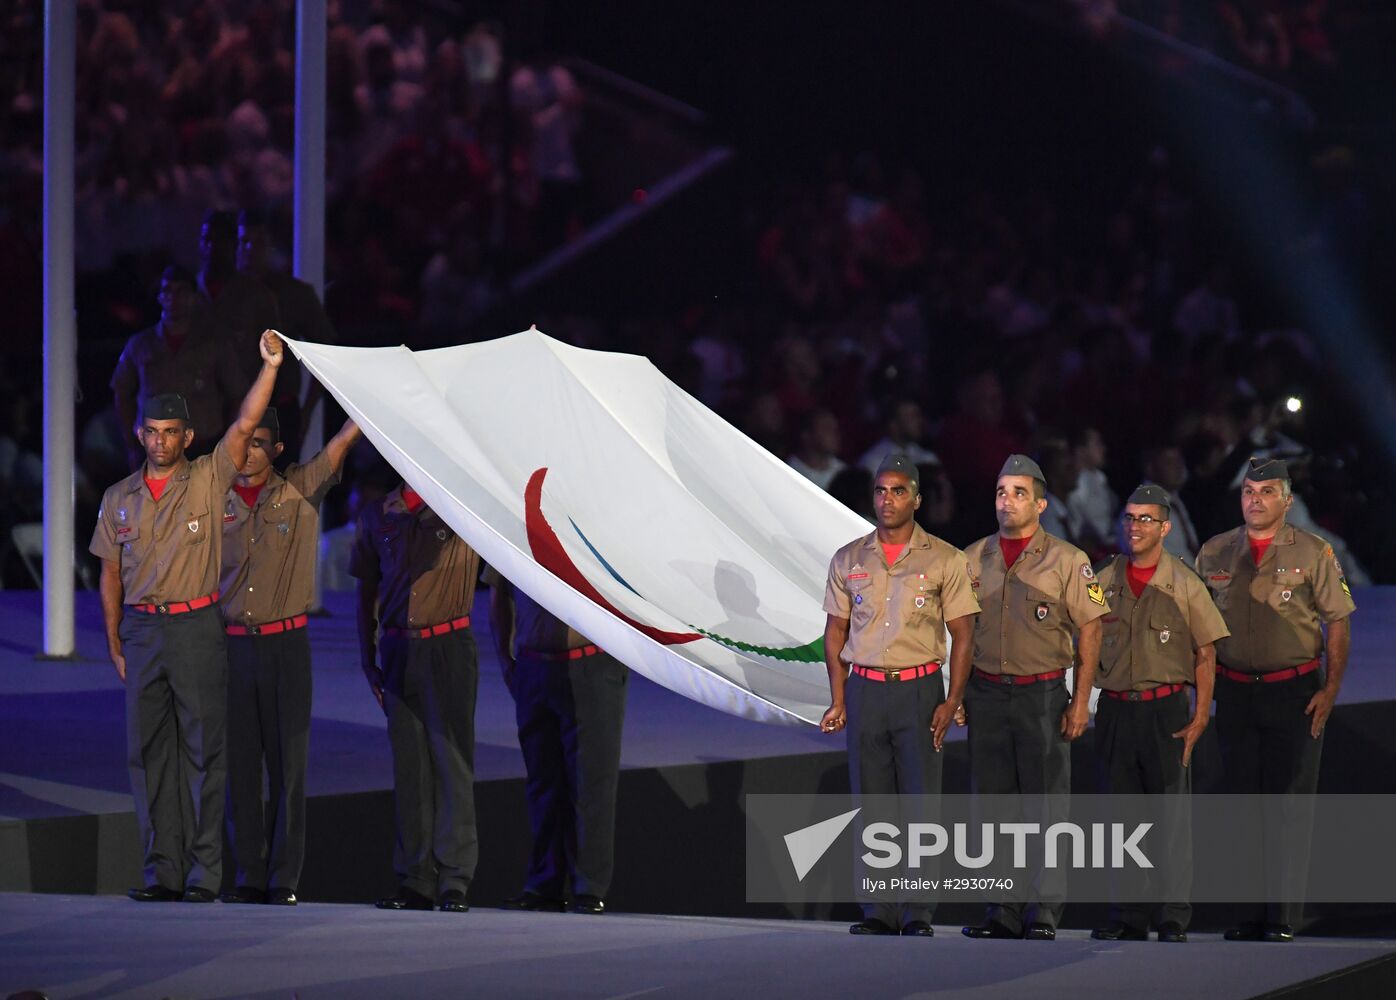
(112, 595)
(367, 617)
(1339, 641)
(835, 638)
(338, 448)
(961, 655)
(1205, 677)
(1087, 657)
(502, 622)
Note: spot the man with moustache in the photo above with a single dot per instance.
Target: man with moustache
(1279, 588)
(889, 599)
(1159, 640)
(270, 533)
(1038, 593)
(157, 536)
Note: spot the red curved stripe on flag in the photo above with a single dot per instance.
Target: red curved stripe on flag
(548, 551)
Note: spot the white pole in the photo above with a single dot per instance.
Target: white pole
(308, 244)
(60, 325)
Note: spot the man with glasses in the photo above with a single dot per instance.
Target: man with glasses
(1279, 589)
(1159, 640)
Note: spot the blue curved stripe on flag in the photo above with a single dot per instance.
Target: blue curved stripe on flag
(602, 560)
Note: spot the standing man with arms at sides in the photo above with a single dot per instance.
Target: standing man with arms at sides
(1276, 587)
(569, 698)
(418, 577)
(1037, 592)
(159, 541)
(1159, 640)
(270, 533)
(890, 597)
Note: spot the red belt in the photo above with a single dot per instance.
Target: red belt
(431, 630)
(568, 654)
(271, 628)
(1153, 694)
(895, 673)
(176, 607)
(1272, 677)
(1019, 679)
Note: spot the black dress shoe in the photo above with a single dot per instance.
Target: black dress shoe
(871, 926)
(1120, 931)
(588, 904)
(406, 899)
(918, 928)
(244, 894)
(155, 894)
(534, 903)
(198, 894)
(1278, 933)
(989, 929)
(1244, 932)
(282, 897)
(1040, 932)
(1172, 933)
(453, 901)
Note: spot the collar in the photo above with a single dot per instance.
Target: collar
(394, 504)
(274, 483)
(136, 480)
(1164, 571)
(920, 539)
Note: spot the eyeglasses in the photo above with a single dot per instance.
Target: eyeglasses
(1142, 519)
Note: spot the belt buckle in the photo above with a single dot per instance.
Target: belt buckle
(163, 609)
(894, 675)
(1005, 679)
(1133, 696)
(254, 630)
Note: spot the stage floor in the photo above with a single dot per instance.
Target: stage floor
(62, 730)
(107, 947)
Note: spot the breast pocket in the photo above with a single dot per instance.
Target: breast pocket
(923, 605)
(1043, 612)
(1166, 631)
(1220, 589)
(276, 528)
(1288, 593)
(128, 537)
(196, 528)
(860, 592)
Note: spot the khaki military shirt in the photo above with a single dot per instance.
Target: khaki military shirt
(203, 371)
(1273, 610)
(169, 549)
(534, 627)
(1151, 639)
(426, 573)
(269, 550)
(897, 613)
(1032, 609)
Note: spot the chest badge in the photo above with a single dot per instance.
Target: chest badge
(121, 514)
(1164, 636)
(193, 527)
(1041, 612)
(857, 598)
(920, 602)
(1110, 592)
(1286, 594)
(440, 534)
(283, 527)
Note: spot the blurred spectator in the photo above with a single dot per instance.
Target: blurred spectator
(1058, 461)
(236, 307)
(1164, 465)
(1209, 309)
(853, 487)
(976, 439)
(905, 426)
(1092, 503)
(544, 92)
(817, 456)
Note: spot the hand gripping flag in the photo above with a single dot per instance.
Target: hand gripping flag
(618, 502)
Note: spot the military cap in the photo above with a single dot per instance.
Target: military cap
(1154, 494)
(1262, 469)
(1021, 465)
(165, 406)
(897, 462)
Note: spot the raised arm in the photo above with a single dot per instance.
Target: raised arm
(338, 447)
(255, 403)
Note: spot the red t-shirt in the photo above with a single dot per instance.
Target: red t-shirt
(157, 486)
(1258, 547)
(412, 499)
(892, 551)
(249, 494)
(1012, 548)
(1139, 577)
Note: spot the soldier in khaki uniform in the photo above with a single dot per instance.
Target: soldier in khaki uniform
(569, 698)
(1159, 641)
(1277, 587)
(270, 532)
(418, 578)
(890, 597)
(1037, 593)
(159, 541)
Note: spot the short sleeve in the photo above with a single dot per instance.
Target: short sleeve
(363, 558)
(1204, 620)
(836, 599)
(315, 478)
(104, 544)
(1084, 596)
(957, 598)
(1332, 595)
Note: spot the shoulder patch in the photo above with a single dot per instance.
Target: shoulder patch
(1087, 572)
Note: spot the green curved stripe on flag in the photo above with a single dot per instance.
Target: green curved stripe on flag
(810, 652)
